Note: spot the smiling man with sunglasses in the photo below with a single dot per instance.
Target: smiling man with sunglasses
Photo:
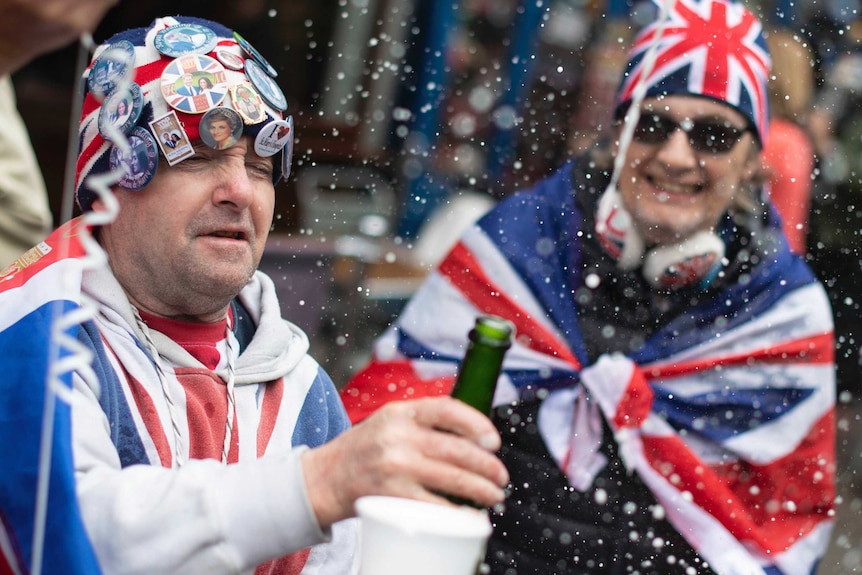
(667, 406)
(689, 161)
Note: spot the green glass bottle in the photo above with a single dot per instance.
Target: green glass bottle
(480, 368)
(477, 377)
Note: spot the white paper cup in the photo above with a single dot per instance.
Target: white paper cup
(401, 536)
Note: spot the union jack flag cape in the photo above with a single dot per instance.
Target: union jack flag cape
(726, 412)
(27, 314)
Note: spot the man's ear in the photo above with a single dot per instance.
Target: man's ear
(98, 205)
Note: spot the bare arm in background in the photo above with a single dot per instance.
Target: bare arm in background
(25, 217)
(30, 28)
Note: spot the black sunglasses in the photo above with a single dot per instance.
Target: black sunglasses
(704, 136)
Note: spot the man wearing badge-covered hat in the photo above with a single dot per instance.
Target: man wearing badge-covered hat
(668, 403)
(205, 438)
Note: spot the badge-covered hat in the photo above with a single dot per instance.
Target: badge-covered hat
(182, 69)
(709, 48)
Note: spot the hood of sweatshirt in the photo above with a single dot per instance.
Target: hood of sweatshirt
(275, 350)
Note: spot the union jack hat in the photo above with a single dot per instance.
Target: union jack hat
(215, 53)
(709, 48)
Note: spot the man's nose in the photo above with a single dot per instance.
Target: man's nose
(677, 150)
(234, 186)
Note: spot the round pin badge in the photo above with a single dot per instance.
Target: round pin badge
(221, 128)
(182, 39)
(247, 102)
(287, 154)
(273, 137)
(230, 60)
(139, 163)
(194, 83)
(257, 56)
(111, 65)
(121, 111)
(265, 85)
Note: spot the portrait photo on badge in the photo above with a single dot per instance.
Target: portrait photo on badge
(182, 39)
(247, 102)
(110, 67)
(194, 83)
(140, 161)
(120, 112)
(172, 138)
(221, 128)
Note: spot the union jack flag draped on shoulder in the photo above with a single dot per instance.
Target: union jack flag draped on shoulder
(726, 411)
(36, 292)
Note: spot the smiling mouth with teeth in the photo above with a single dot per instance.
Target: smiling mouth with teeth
(668, 188)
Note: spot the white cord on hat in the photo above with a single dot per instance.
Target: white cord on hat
(633, 113)
(611, 204)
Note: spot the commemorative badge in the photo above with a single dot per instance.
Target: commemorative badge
(112, 64)
(172, 138)
(273, 137)
(221, 128)
(194, 83)
(183, 39)
(230, 60)
(265, 85)
(139, 163)
(120, 112)
(287, 153)
(257, 56)
(247, 102)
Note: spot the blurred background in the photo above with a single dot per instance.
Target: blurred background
(414, 116)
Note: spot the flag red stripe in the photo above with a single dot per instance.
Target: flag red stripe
(815, 349)
(150, 416)
(466, 274)
(289, 565)
(269, 414)
(384, 381)
(64, 243)
(634, 406)
(770, 506)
